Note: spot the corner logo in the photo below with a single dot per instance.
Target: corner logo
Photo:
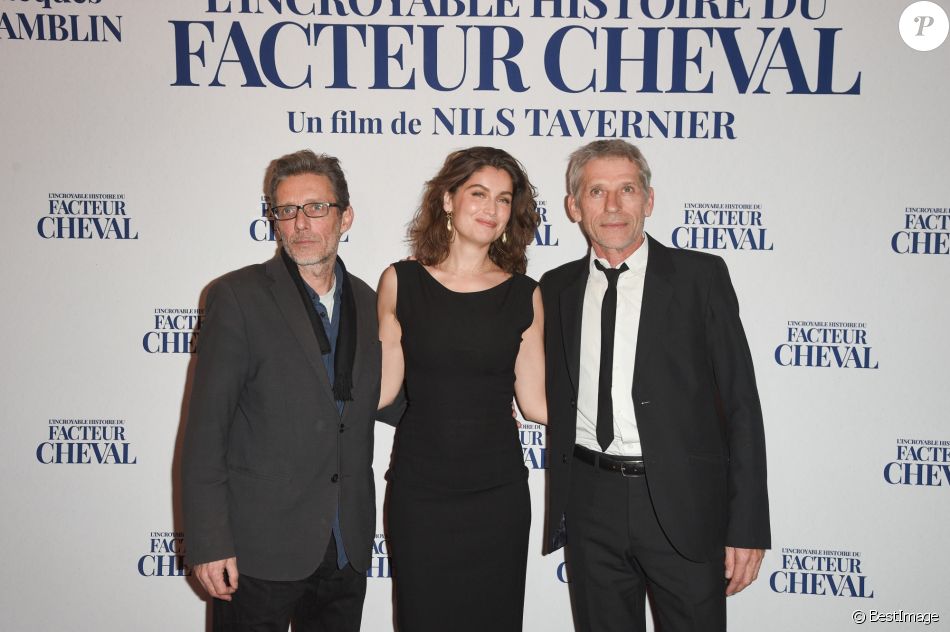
(924, 26)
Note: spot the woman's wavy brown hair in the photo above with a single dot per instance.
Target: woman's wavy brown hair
(428, 234)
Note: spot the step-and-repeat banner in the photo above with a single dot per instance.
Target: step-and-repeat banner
(805, 141)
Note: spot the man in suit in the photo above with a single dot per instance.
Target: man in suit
(655, 440)
(278, 487)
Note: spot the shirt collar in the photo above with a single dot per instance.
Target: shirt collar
(336, 289)
(636, 262)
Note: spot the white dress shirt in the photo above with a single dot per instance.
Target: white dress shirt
(629, 299)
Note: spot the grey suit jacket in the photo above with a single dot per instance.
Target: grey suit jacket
(267, 457)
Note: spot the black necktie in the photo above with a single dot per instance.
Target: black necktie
(608, 317)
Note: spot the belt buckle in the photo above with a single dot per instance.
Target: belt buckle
(634, 474)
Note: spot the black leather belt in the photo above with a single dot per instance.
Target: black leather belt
(624, 465)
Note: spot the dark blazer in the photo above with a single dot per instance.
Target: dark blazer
(695, 397)
(267, 456)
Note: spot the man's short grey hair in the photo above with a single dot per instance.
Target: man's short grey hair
(614, 148)
(304, 162)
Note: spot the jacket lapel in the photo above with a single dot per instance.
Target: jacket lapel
(295, 315)
(657, 292)
(572, 310)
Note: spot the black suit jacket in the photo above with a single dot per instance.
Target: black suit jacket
(267, 457)
(695, 398)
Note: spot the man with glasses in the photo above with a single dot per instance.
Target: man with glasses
(278, 486)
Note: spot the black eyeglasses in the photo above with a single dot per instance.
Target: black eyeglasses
(314, 210)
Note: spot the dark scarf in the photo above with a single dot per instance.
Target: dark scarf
(346, 340)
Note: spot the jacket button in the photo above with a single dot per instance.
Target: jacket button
(573, 403)
(334, 478)
(342, 427)
(563, 458)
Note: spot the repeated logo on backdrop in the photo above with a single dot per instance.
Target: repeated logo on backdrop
(722, 226)
(165, 555)
(532, 445)
(262, 228)
(174, 330)
(380, 567)
(543, 234)
(826, 344)
(822, 572)
(920, 462)
(924, 231)
(48, 24)
(86, 216)
(85, 442)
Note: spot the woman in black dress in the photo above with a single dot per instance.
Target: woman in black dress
(462, 326)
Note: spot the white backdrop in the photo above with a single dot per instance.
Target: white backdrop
(127, 189)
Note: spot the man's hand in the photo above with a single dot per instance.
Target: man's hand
(742, 567)
(211, 576)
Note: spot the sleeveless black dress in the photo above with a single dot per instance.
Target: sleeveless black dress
(458, 509)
